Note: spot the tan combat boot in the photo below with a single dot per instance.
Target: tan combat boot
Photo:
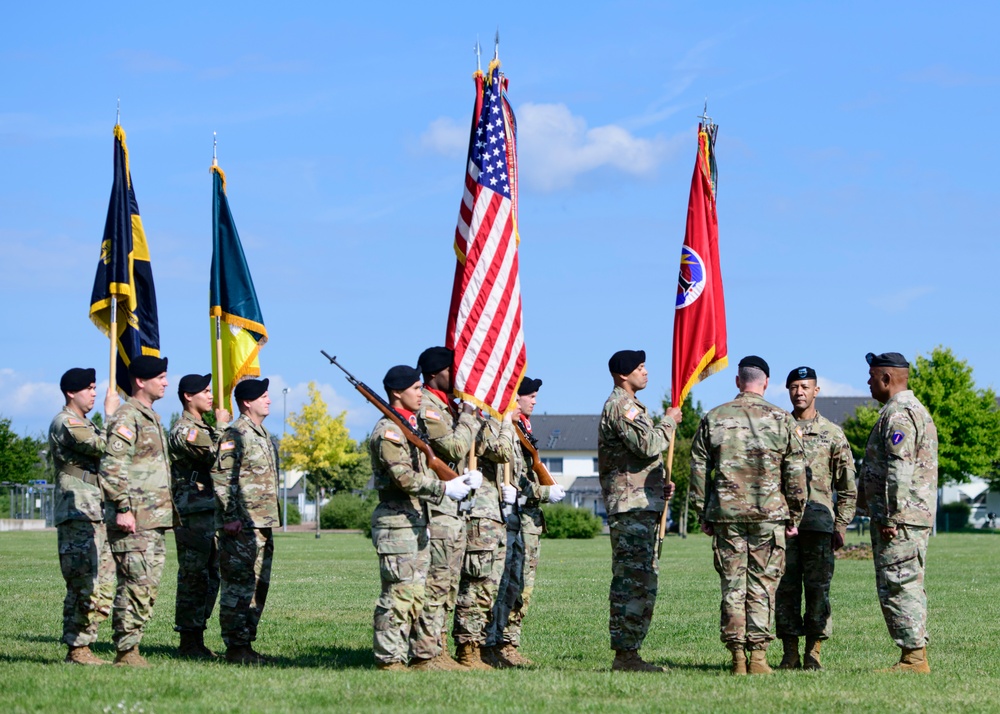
(739, 666)
(469, 655)
(391, 666)
(758, 663)
(912, 661)
(193, 646)
(790, 657)
(242, 654)
(83, 655)
(130, 658)
(429, 664)
(509, 652)
(630, 661)
(812, 655)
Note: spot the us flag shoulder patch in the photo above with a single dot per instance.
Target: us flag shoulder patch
(74, 422)
(125, 432)
(227, 445)
(631, 414)
(192, 433)
(393, 436)
(432, 415)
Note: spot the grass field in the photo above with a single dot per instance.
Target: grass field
(318, 624)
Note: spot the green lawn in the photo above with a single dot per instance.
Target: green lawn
(318, 623)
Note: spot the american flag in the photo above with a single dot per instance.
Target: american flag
(484, 322)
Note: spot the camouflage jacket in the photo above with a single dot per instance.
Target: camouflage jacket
(245, 476)
(530, 490)
(76, 447)
(748, 464)
(135, 469)
(630, 455)
(829, 469)
(401, 478)
(900, 471)
(494, 449)
(450, 438)
(193, 445)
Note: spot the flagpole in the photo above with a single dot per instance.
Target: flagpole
(220, 402)
(666, 504)
(113, 334)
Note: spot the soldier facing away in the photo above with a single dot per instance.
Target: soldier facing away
(809, 559)
(75, 447)
(405, 486)
(748, 487)
(245, 477)
(193, 445)
(135, 476)
(899, 479)
(630, 463)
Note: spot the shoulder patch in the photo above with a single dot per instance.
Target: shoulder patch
(632, 413)
(117, 446)
(431, 414)
(897, 437)
(125, 432)
(227, 445)
(73, 421)
(192, 434)
(393, 436)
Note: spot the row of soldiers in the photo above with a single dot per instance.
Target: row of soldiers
(120, 489)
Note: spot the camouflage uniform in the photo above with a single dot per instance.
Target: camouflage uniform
(451, 440)
(245, 477)
(809, 556)
(135, 473)
(899, 477)
(76, 447)
(630, 464)
(486, 543)
(748, 481)
(399, 533)
(192, 454)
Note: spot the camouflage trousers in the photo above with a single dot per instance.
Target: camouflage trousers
(509, 590)
(89, 571)
(403, 559)
(447, 550)
(139, 561)
(482, 569)
(635, 571)
(750, 559)
(899, 579)
(245, 567)
(809, 565)
(197, 571)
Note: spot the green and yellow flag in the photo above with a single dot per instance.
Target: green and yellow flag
(233, 300)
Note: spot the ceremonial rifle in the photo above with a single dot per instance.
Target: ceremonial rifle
(544, 477)
(418, 439)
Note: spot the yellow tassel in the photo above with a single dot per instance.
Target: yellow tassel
(222, 175)
(120, 135)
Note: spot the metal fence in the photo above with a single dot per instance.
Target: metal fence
(29, 501)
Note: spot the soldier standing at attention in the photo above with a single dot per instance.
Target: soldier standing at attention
(748, 487)
(245, 477)
(899, 479)
(76, 447)
(135, 476)
(399, 531)
(630, 463)
(193, 445)
(518, 581)
(809, 556)
(451, 436)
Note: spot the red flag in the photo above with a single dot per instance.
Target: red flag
(700, 322)
(484, 321)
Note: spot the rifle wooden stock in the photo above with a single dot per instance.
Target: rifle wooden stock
(544, 477)
(439, 467)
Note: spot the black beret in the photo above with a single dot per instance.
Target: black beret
(400, 377)
(250, 389)
(625, 361)
(193, 383)
(528, 386)
(434, 359)
(77, 378)
(887, 359)
(755, 361)
(147, 367)
(800, 373)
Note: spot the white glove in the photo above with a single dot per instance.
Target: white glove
(457, 488)
(556, 493)
(509, 494)
(475, 478)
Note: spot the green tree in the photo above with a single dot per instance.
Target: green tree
(681, 474)
(320, 445)
(967, 418)
(21, 457)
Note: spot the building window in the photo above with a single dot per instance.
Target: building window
(596, 470)
(554, 465)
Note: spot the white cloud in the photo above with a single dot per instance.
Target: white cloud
(901, 299)
(829, 388)
(21, 398)
(447, 137)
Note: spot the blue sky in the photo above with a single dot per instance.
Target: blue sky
(855, 152)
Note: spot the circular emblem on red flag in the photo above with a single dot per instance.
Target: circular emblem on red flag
(691, 279)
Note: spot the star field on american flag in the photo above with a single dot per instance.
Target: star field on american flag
(489, 153)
